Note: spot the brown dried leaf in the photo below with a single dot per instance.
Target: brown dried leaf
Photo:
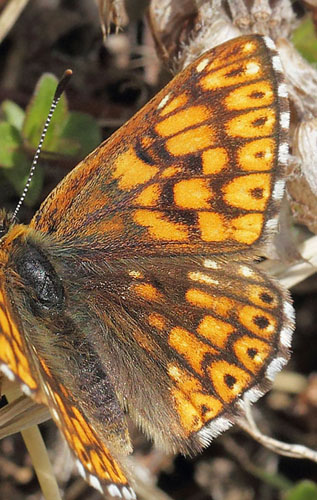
(301, 79)
(305, 149)
(303, 201)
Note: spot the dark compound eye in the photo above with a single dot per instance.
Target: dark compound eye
(41, 278)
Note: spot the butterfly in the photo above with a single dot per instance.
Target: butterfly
(134, 288)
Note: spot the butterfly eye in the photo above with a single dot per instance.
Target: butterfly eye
(41, 279)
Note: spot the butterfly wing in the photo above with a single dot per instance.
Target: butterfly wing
(95, 461)
(15, 363)
(197, 170)
(200, 335)
(87, 424)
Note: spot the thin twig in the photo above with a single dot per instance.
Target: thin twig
(287, 449)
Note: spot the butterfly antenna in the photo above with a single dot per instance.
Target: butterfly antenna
(58, 92)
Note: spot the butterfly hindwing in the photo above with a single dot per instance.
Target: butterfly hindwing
(200, 336)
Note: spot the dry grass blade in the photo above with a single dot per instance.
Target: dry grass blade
(19, 416)
(9, 16)
(41, 463)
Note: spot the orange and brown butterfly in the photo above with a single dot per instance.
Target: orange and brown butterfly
(134, 288)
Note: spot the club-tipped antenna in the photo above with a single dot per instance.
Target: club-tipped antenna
(58, 92)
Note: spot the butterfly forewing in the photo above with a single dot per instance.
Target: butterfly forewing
(196, 171)
(148, 244)
(95, 462)
(15, 360)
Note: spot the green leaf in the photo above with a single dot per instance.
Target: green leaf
(304, 39)
(37, 112)
(16, 165)
(18, 176)
(13, 114)
(81, 134)
(74, 134)
(305, 490)
(10, 146)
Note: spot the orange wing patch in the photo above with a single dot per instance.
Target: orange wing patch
(161, 228)
(187, 118)
(233, 74)
(191, 141)
(260, 151)
(193, 350)
(232, 52)
(228, 379)
(131, 171)
(257, 123)
(251, 352)
(195, 408)
(192, 194)
(214, 160)
(215, 330)
(168, 106)
(248, 191)
(254, 95)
